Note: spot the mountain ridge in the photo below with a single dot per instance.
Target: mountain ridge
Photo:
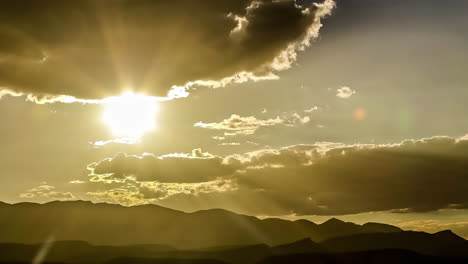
(113, 224)
(303, 251)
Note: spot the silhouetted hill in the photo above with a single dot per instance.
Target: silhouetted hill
(302, 251)
(335, 227)
(78, 251)
(83, 232)
(442, 244)
(110, 224)
(448, 235)
(237, 255)
(254, 253)
(301, 246)
(163, 261)
(367, 257)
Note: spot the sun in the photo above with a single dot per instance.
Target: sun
(130, 115)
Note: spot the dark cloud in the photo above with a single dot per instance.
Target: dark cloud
(93, 49)
(180, 168)
(415, 176)
(322, 179)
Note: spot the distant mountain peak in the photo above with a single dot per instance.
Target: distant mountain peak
(447, 234)
(333, 221)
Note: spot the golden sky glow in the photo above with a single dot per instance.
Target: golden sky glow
(265, 108)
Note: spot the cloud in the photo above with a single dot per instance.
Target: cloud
(125, 140)
(125, 196)
(332, 179)
(241, 125)
(46, 192)
(229, 144)
(296, 119)
(319, 179)
(181, 168)
(4, 92)
(238, 125)
(312, 109)
(136, 193)
(344, 92)
(94, 49)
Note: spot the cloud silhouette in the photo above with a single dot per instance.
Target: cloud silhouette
(95, 49)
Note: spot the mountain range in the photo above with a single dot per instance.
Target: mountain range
(79, 232)
(111, 224)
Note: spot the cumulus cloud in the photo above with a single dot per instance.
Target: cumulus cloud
(345, 92)
(93, 49)
(296, 119)
(238, 125)
(194, 167)
(318, 179)
(343, 179)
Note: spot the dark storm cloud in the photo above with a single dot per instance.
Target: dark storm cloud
(93, 49)
(324, 179)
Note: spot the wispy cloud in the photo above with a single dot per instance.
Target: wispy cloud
(238, 125)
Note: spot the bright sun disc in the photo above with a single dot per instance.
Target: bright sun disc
(130, 115)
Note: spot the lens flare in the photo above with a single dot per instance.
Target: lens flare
(359, 114)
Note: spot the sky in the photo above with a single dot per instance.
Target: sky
(310, 109)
